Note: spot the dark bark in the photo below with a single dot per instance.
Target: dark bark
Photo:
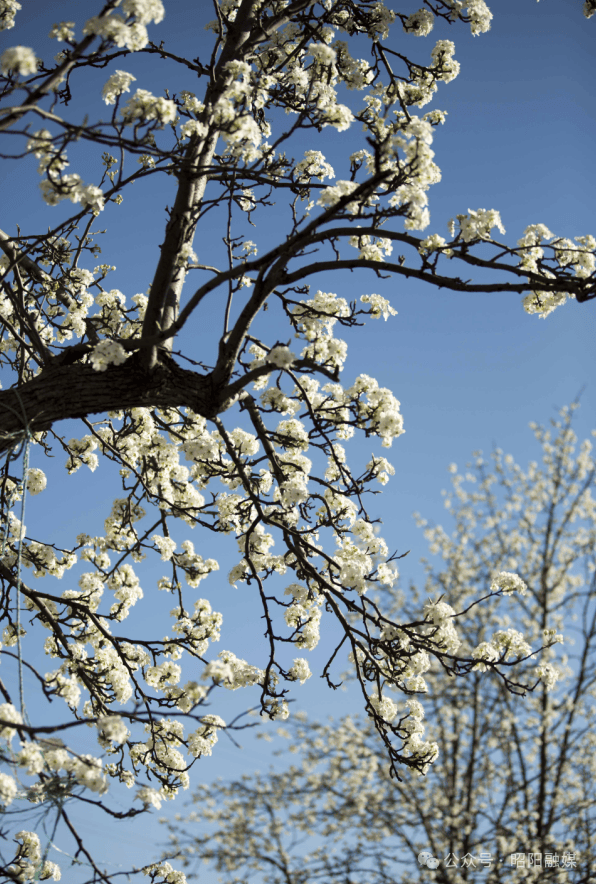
(77, 391)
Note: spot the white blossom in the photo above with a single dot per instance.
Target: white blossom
(63, 32)
(385, 707)
(8, 713)
(166, 546)
(18, 60)
(379, 306)
(167, 873)
(193, 127)
(281, 357)
(112, 729)
(115, 28)
(144, 107)
(508, 583)
(107, 353)
(548, 675)
(477, 224)
(300, 670)
(420, 23)
(117, 84)
(36, 480)
(8, 11)
(8, 789)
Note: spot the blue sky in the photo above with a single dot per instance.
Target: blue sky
(469, 370)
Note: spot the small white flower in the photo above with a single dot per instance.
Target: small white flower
(150, 797)
(144, 107)
(281, 356)
(193, 127)
(8, 713)
(323, 54)
(548, 675)
(8, 789)
(113, 729)
(118, 83)
(508, 583)
(300, 671)
(63, 31)
(8, 10)
(107, 353)
(19, 60)
(420, 23)
(36, 480)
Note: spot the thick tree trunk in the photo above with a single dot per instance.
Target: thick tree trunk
(77, 390)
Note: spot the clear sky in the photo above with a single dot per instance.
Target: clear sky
(470, 370)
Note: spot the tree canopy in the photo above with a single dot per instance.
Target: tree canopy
(254, 445)
(510, 794)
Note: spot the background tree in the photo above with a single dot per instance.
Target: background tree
(262, 428)
(515, 773)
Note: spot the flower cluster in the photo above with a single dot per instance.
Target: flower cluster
(195, 567)
(28, 862)
(144, 107)
(281, 357)
(121, 29)
(331, 196)
(432, 243)
(63, 32)
(116, 85)
(443, 631)
(477, 10)
(166, 546)
(44, 560)
(508, 583)
(161, 755)
(8, 10)
(314, 165)
(111, 729)
(8, 713)
(197, 629)
(107, 353)
(193, 127)
(186, 254)
(544, 303)
(166, 872)
(202, 741)
(36, 480)
(379, 413)
(82, 452)
(232, 672)
(420, 23)
(379, 306)
(565, 252)
(548, 675)
(477, 224)
(18, 60)
(372, 248)
(56, 186)
(384, 706)
(503, 645)
(426, 750)
(317, 316)
(300, 670)
(8, 789)
(304, 616)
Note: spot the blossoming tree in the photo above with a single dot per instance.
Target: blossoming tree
(251, 446)
(514, 777)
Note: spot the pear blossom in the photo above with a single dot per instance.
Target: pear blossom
(19, 60)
